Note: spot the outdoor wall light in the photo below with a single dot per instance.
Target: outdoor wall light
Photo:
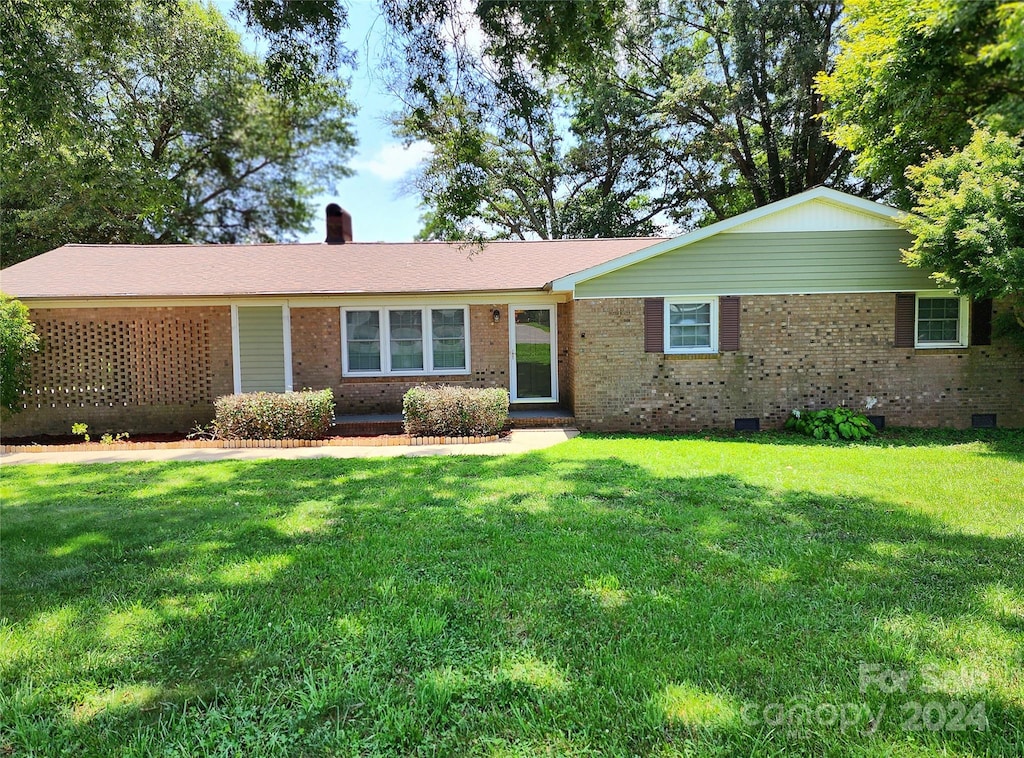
(496, 315)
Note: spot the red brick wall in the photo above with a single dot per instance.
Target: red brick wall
(126, 369)
(796, 351)
(316, 356)
(566, 352)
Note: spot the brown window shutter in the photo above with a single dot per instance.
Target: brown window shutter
(905, 319)
(981, 322)
(728, 323)
(654, 325)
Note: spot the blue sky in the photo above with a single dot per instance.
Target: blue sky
(380, 211)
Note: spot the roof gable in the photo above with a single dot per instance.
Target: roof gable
(817, 210)
(818, 215)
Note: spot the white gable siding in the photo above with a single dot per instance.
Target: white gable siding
(816, 216)
(769, 263)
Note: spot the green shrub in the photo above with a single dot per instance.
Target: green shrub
(450, 411)
(18, 340)
(831, 424)
(274, 415)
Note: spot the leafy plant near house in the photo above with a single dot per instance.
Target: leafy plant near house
(304, 415)
(445, 410)
(107, 438)
(831, 424)
(18, 340)
(202, 432)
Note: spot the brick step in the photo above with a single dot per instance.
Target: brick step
(542, 422)
(365, 428)
(370, 425)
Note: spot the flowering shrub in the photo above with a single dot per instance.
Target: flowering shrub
(274, 415)
(445, 410)
(831, 424)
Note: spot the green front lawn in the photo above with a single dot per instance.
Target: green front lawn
(626, 596)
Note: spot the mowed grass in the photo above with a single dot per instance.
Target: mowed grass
(609, 596)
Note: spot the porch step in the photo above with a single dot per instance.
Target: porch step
(372, 424)
(543, 418)
(367, 425)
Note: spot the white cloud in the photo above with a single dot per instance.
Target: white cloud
(394, 160)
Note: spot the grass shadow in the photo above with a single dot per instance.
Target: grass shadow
(551, 602)
(1007, 443)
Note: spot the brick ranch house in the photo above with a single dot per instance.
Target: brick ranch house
(803, 303)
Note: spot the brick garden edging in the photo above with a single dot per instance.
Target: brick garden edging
(389, 440)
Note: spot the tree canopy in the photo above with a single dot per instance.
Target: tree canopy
(673, 114)
(568, 162)
(930, 96)
(914, 77)
(164, 132)
(968, 223)
(303, 43)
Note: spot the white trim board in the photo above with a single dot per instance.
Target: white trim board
(286, 325)
(497, 297)
(236, 355)
(937, 293)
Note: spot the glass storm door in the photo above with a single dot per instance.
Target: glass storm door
(532, 354)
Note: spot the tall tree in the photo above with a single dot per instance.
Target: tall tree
(302, 39)
(930, 96)
(913, 77)
(685, 112)
(735, 81)
(548, 163)
(168, 134)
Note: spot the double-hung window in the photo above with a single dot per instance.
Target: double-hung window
(362, 341)
(940, 322)
(405, 341)
(691, 325)
(448, 339)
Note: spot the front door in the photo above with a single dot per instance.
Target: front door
(533, 361)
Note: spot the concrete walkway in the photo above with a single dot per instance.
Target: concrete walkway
(518, 441)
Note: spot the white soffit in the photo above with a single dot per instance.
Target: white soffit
(818, 215)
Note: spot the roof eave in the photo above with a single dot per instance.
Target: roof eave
(510, 291)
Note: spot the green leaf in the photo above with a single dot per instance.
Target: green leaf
(167, 132)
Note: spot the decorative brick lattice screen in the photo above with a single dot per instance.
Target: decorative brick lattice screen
(130, 362)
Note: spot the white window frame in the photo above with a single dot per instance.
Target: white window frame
(963, 333)
(385, 341)
(708, 300)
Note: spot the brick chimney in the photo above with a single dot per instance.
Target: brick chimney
(339, 225)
